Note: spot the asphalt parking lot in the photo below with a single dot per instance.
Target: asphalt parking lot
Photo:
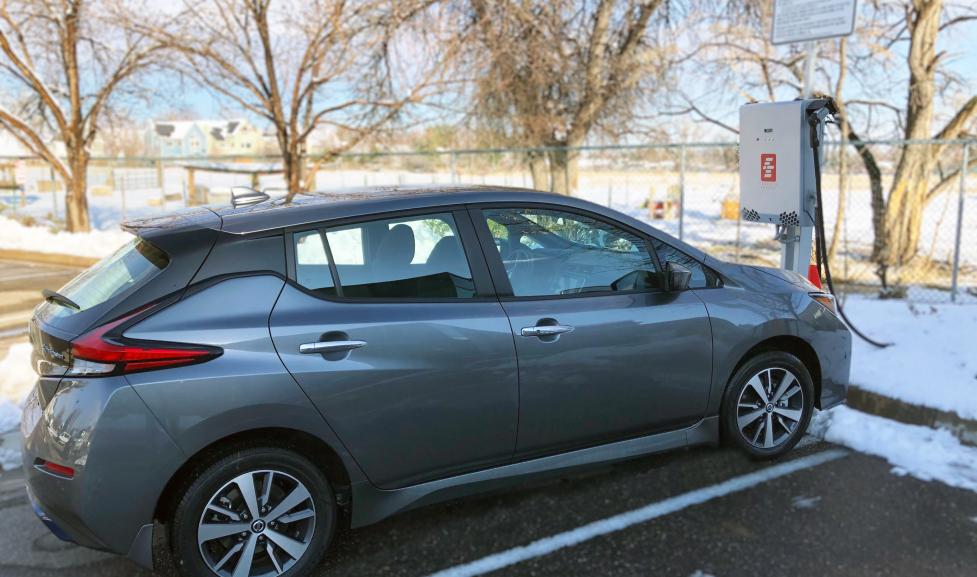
(20, 288)
(847, 515)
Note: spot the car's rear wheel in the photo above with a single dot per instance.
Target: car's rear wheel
(255, 512)
(768, 404)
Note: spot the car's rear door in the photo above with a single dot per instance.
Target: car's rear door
(604, 351)
(391, 327)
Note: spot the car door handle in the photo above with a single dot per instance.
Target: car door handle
(320, 347)
(545, 330)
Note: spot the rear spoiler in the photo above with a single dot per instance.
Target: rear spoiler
(198, 217)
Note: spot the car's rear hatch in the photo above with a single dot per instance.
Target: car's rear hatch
(160, 260)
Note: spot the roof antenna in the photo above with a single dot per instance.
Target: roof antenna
(244, 196)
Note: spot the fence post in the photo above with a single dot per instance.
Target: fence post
(122, 189)
(681, 192)
(454, 168)
(960, 205)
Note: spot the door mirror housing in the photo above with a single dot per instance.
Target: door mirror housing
(678, 276)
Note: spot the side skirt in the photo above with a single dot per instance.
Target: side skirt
(371, 504)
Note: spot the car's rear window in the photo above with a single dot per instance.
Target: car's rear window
(133, 263)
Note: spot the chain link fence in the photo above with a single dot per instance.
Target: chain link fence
(689, 190)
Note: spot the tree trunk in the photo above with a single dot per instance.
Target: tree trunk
(537, 168)
(907, 196)
(293, 161)
(76, 199)
(564, 171)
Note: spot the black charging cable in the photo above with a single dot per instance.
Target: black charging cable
(820, 247)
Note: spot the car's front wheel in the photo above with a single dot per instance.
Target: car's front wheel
(768, 404)
(253, 512)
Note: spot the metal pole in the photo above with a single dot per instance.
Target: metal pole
(681, 192)
(960, 204)
(811, 47)
(122, 190)
(454, 171)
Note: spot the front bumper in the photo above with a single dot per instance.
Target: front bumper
(832, 341)
(121, 456)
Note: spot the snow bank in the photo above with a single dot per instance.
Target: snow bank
(933, 361)
(16, 379)
(9, 459)
(924, 453)
(97, 243)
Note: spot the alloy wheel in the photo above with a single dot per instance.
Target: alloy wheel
(259, 524)
(770, 408)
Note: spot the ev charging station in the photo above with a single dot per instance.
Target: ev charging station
(778, 176)
(780, 181)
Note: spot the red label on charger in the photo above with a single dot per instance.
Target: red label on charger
(768, 168)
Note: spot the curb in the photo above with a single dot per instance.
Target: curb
(875, 404)
(47, 257)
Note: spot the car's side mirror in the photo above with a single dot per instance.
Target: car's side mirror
(678, 276)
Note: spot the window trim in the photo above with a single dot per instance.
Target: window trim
(484, 288)
(497, 269)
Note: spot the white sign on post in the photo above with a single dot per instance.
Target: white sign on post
(805, 20)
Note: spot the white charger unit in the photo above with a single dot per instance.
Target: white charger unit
(776, 164)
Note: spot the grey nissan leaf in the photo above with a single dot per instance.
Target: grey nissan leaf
(236, 382)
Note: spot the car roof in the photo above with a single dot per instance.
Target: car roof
(313, 207)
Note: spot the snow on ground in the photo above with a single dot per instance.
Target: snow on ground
(922, 452)
(97, 243)
(10, 459)
(16, 379)
(933, 359)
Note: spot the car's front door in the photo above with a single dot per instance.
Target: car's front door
(384, 326)
(604, 351)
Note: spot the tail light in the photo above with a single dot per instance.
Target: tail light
(54, 469)
(104, 351)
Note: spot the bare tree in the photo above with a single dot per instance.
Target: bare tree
(897, 230)
(73, 61)
(550, 72)
(738, 55)
(302, 65)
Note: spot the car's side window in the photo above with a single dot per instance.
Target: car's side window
(312, 263)
(551, 252)
(702, 276)
(401, 258)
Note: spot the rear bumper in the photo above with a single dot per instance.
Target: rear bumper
(121, 456)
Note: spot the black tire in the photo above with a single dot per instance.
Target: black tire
(778, 363)
(210, 477)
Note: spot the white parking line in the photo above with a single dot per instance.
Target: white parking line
(576, 536)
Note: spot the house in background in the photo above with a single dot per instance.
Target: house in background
(10, 146)
(234, 138)
(198, 138)
(176, 139)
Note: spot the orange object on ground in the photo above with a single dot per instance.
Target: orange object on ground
(813, 276)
